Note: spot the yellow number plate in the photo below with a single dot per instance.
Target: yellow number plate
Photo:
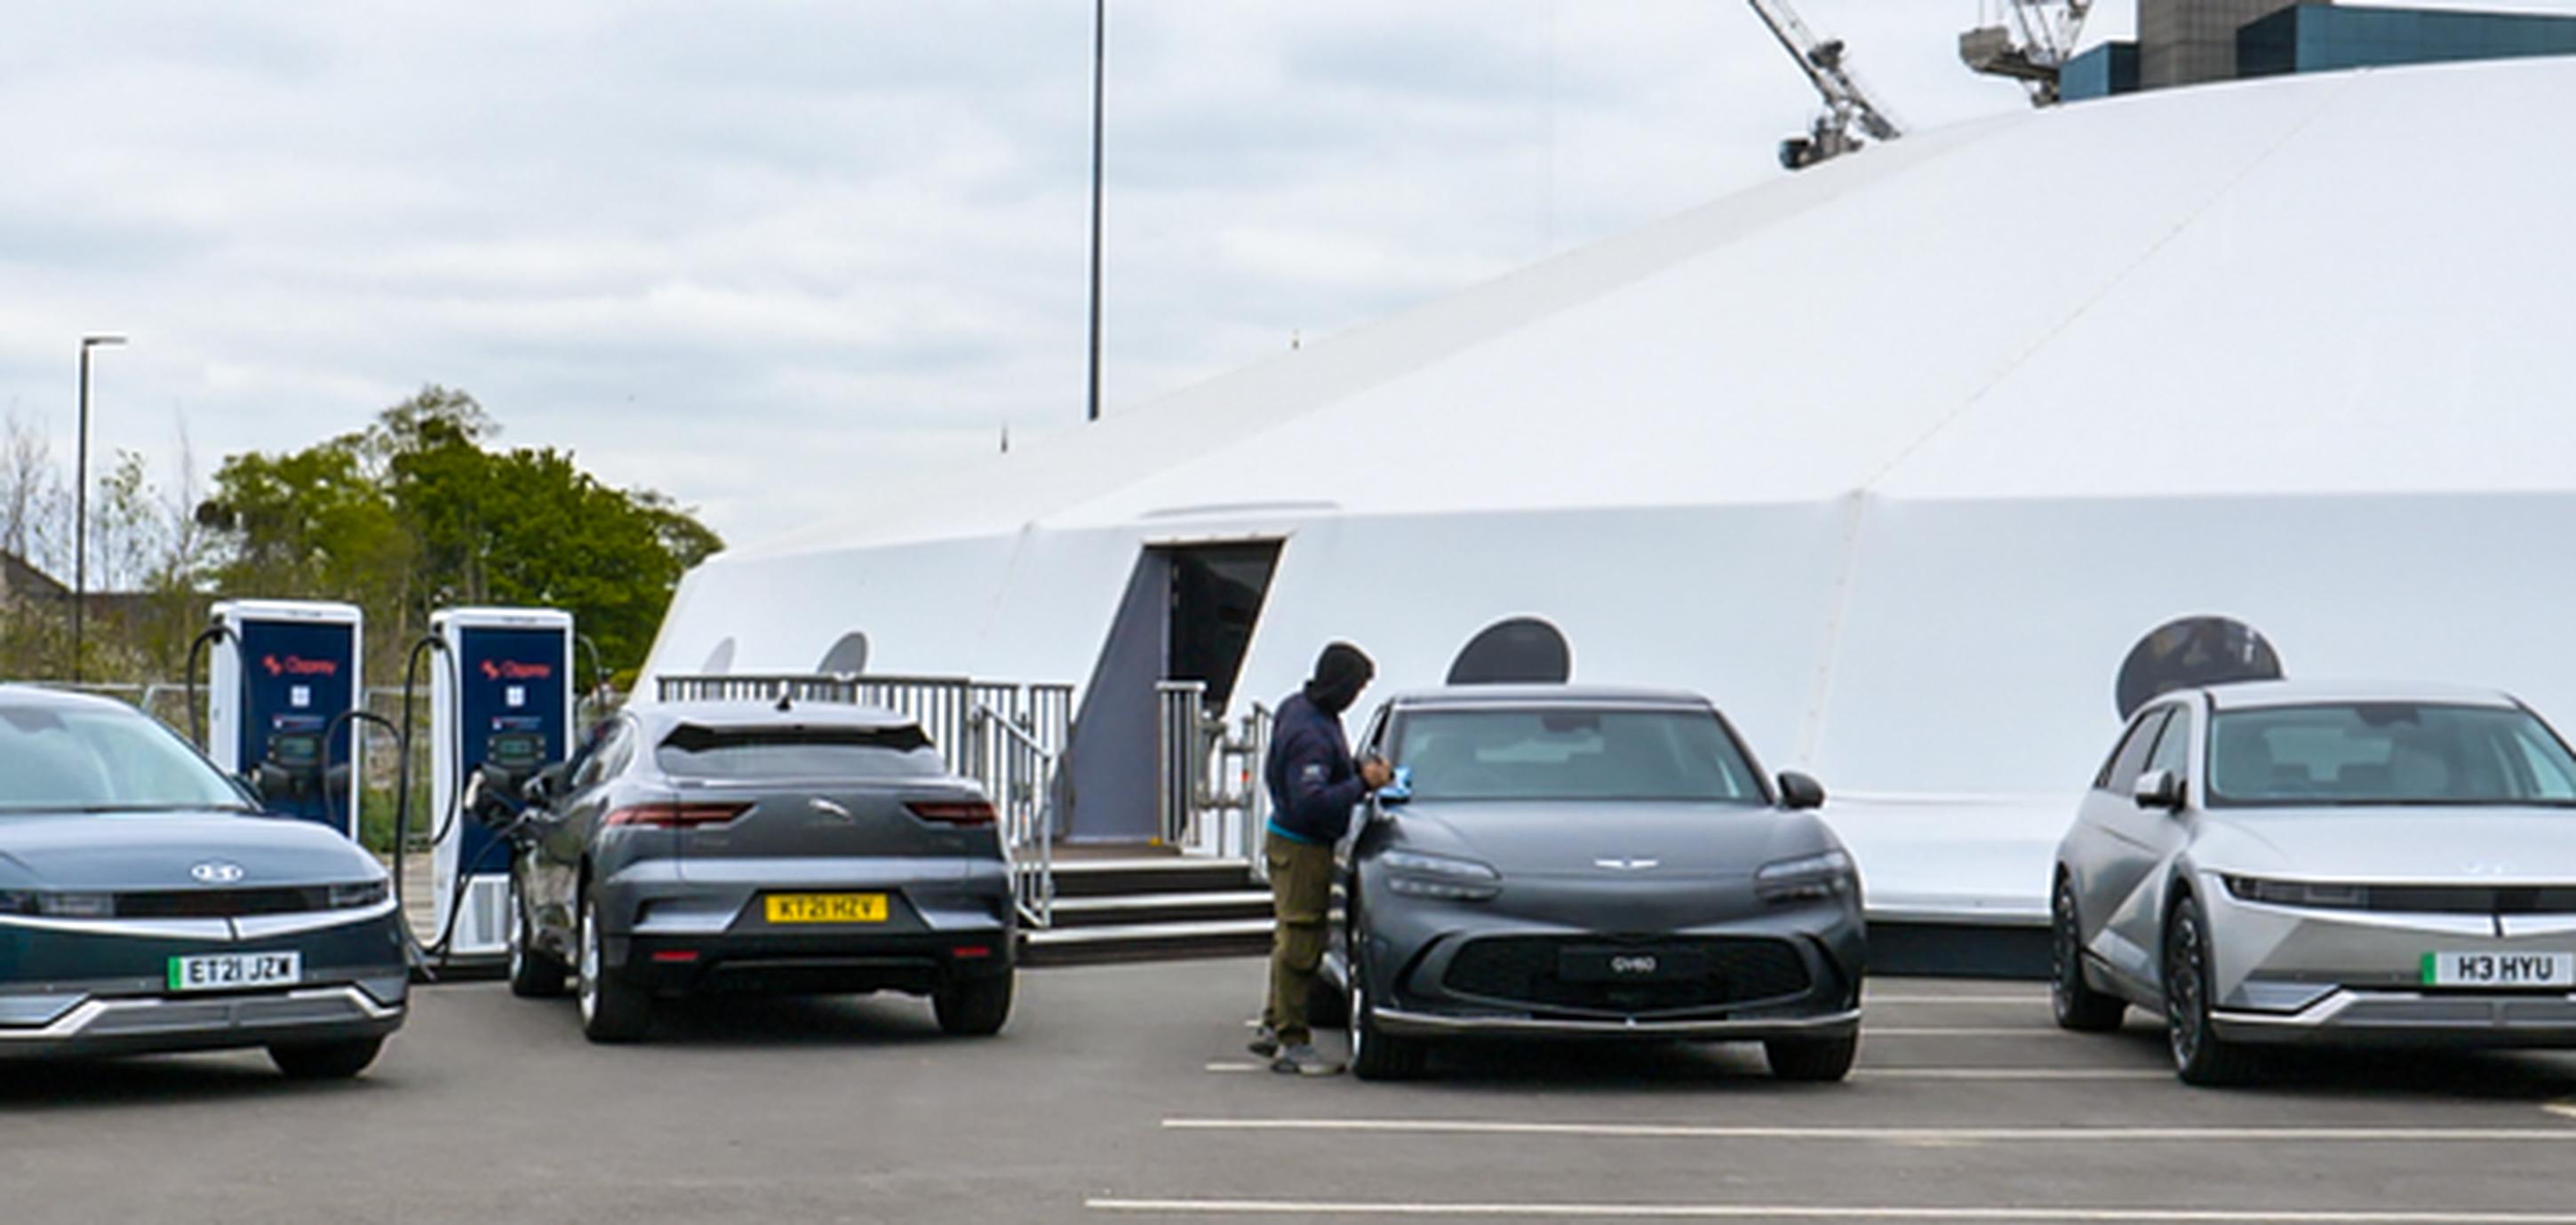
(826, 907)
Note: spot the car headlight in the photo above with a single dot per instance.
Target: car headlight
(1415, 874)
(2298, 893)
(77, 905)
(1807, 877)
(364, 893)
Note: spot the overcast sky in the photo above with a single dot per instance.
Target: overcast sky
(753, 253)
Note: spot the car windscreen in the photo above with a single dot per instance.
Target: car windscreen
(1573, 753)
(738, 754)
(2387, 753)
(58, 759)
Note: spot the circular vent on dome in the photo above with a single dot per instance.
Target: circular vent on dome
(2190, 652)
(719, 660)
(848, 657)
(1520, 651)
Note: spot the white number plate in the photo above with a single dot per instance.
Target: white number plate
(233, 971)
(2500, 970)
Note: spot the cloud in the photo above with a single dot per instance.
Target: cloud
(751, 253)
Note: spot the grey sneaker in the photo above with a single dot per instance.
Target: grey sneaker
(1304, 1060)
(1265, 1042)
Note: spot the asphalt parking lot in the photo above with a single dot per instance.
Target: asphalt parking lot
(1122, 1094)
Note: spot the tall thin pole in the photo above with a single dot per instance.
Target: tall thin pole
(80, 518)
(1099, 64)
(80, 508)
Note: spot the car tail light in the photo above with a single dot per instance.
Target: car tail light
(676, 816)
(952, 812)
(676, 956)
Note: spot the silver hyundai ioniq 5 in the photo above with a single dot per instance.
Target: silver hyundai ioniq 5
(2290, 862)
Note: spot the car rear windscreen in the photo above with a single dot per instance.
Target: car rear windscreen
(2387, 753)
(742, 754)
(1573, 753)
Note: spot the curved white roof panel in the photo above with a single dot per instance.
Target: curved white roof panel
(1897, 459)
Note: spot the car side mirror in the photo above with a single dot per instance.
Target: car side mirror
(2158, 789)
(1799, 791)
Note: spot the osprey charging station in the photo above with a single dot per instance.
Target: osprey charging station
(501, 709)
(283, 671)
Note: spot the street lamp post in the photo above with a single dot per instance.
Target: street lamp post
(80, 505)
(1099, 71)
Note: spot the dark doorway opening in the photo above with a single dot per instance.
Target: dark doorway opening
(1217, 591)
(1189, 614)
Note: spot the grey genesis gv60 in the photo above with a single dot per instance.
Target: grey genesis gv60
(737, 846)
(1586, 862)
(148, 905)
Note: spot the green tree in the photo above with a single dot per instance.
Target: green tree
(417, 512)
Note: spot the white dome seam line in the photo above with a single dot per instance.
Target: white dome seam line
(2180, 227)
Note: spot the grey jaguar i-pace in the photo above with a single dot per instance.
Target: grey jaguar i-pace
(1588, 862)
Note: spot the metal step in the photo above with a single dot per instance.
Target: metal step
(1142, 908)
(1164, 874)
(1145, 942)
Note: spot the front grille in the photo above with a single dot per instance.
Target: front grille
(220, 903)
(1524, 970)
(2472, 899)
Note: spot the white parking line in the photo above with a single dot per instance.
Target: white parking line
(1960, 1031)
(2565, 1109)
(1868, 1000)
(2109, 1216)
(2013, 1074)
(1236, 1065)
(1905, 1135)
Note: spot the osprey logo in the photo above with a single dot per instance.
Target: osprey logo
(1625, 865)
(216, 872)
(513, 670)
(297, 665)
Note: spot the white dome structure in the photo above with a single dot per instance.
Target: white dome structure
(1896, 459)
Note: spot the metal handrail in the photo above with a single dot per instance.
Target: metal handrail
(1027, 806)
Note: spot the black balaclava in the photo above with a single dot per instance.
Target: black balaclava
(1340, 673)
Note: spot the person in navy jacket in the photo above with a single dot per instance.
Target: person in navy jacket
(1314, 784)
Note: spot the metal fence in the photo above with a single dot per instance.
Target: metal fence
(1010, 738)
(1209, 798)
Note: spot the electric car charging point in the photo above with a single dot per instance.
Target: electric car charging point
(283, 671)
(501, 709)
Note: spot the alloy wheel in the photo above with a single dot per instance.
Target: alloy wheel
(2185, 1014)
(589, 971)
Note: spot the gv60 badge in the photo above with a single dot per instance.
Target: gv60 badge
(216, 872)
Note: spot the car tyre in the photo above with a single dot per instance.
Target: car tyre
(974, 1007)
(1811, 1059)
(1327, 1005)
(1375, 1054)
(611, 1011)
(325, 1060)
(533, 974)
(2078, 1006)
(2200, 1056)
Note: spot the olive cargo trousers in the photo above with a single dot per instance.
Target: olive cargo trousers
(1301, 892)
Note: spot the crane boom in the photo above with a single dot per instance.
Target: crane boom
(1848, 105)
(2031, 44)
